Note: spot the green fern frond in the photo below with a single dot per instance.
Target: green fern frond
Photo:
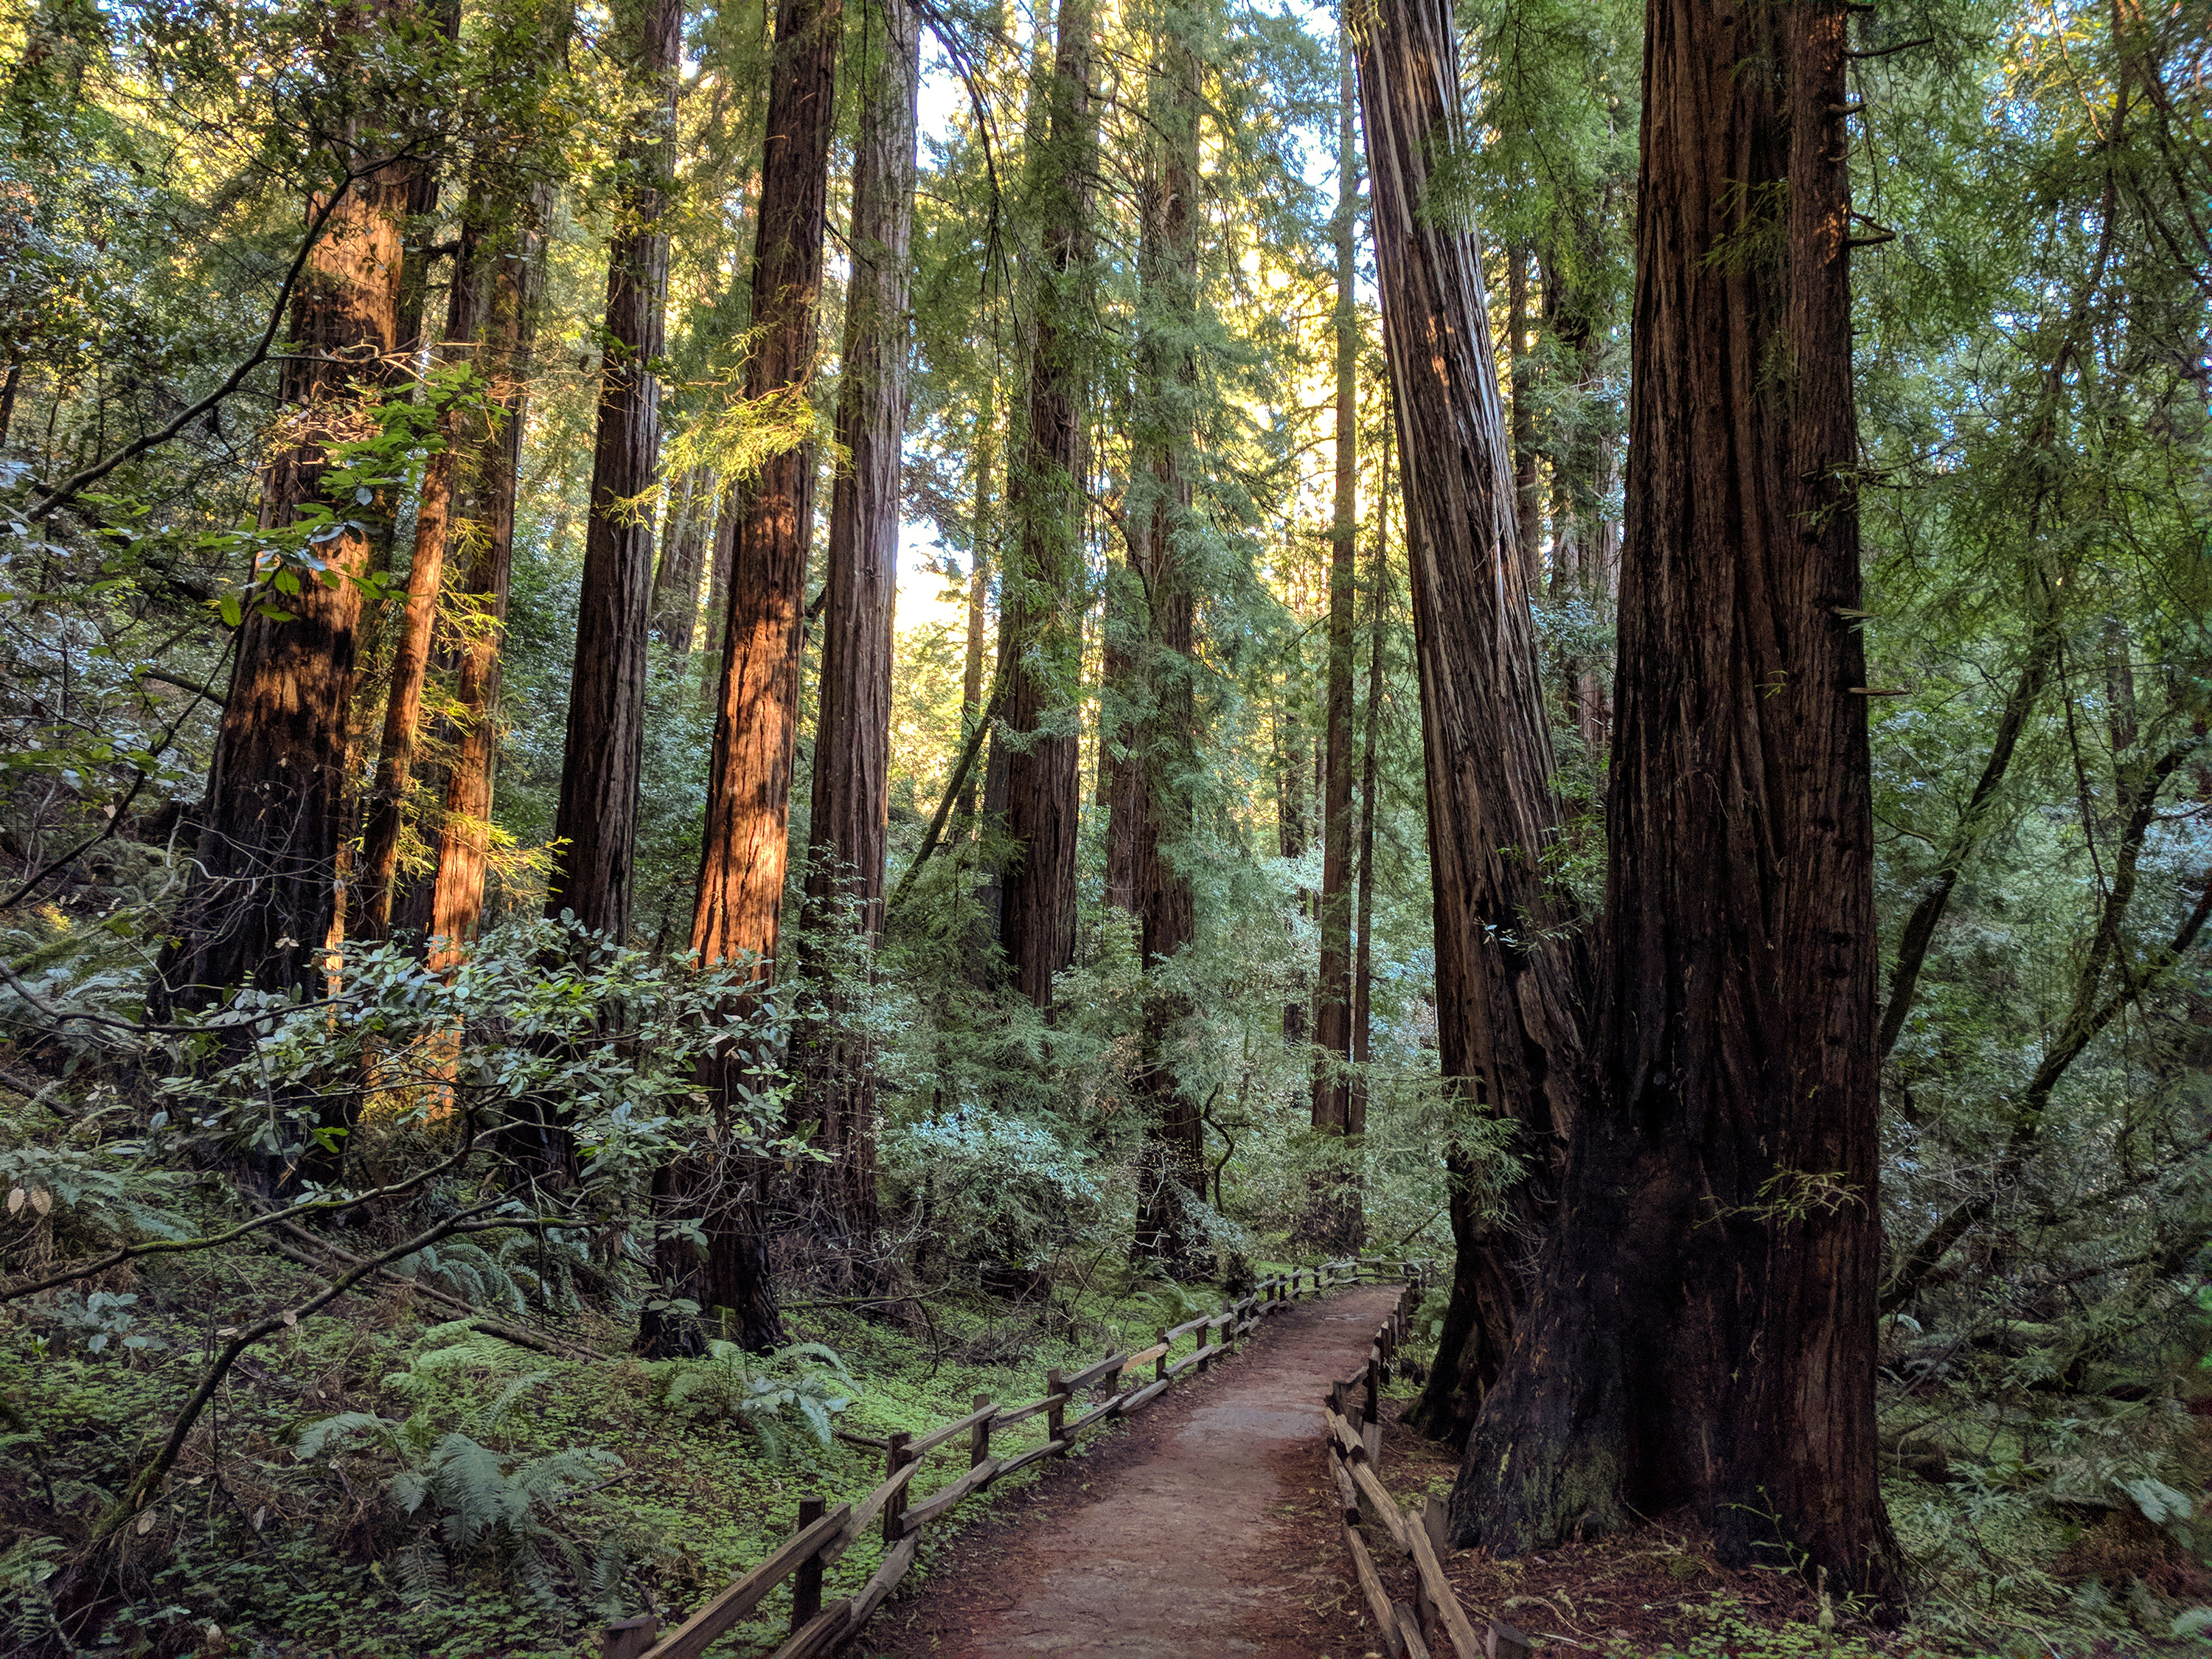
(320, 1435)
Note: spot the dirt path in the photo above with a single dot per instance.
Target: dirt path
(1195, 1533)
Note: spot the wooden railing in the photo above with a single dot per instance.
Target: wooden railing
(825, 1532)
(1370, 1513)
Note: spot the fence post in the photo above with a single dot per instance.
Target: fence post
(806, 1582)
(1160, 1360)
(979, 1437)
(895, 1507)
(629, 1637)
(1056, 1414)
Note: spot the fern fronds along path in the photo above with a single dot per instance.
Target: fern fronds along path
(1197, 1531)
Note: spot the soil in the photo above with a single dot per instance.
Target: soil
(1205, 1529)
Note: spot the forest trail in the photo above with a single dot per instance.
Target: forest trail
(1185, 1537)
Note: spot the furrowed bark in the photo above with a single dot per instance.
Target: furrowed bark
(1333, 995)
(1508, 1019)
(597, 818)
(1040, 646)
(852, 745)
(1699, 1337)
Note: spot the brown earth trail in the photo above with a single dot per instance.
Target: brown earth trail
(1200, 1531)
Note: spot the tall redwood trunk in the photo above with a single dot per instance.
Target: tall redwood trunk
(851, 743)
(1699, 1336)
(1363, 958)
(979, 578)
(1339, 1221)
(1508, 1025)
(741, 872)
(1040, 643)
(263, 897)
(1293, 828)
(596, 818)
(499, 278)
(1527, 511)
(1164, 739)
(739, 902)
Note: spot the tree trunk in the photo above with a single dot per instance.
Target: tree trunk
(1040, 643)
(1339, 1219)
(1699, 1338)
(722, 554)
(738, 906)
(262, 900)
(1165, 738)
(1293, 833)
(684, 557)
(1528, 510)
(852, 744)
(597, 818)
(1363, 961)
(740, 894)
(979, 577)
(499, 278)
(1508, 1025)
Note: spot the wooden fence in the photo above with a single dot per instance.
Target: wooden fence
(1370, 1513)
(825, 1532)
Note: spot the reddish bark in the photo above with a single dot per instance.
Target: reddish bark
(262, 900)
(852, 746)
(1700, 1332)
(1040, 645)
(596, 818)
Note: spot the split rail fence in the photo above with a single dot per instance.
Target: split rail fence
(1354, 1418)
(826, 1532)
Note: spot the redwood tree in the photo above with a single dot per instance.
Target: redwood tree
(1040, 643)
(1701, 1334)
(1508, 1016)
(740, 894)
(852, 744)
(596, 821)
(263, 891)
(1164, 738)
(1697, 1333)
(1337, 1222)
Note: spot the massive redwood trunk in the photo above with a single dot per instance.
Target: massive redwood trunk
(596, 818)
(1039, 641)
(1699, 1336)
(744, 855)
(1507, 1022)
(852, 743)
(741, 872)
(498, 275)
(1337, 1221)
(1163, 739)
(263, 893)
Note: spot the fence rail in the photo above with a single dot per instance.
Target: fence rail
(1372, 1519)
(825, 1532)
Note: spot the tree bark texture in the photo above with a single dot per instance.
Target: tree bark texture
(683, 555)
(500, 276)
(1332, 1011)
(1040, 593)
(1527, 509)
(979, 579)
(1164, 739)
(263, 896)
(597, 818)
(1508, 1018)
(852, 744)
(741, 874)
(1699, 1338)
